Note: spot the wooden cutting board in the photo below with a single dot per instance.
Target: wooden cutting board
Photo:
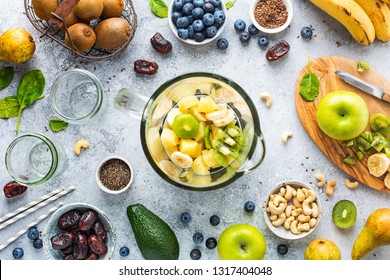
(324, 68)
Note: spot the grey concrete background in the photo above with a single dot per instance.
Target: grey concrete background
(116, 133)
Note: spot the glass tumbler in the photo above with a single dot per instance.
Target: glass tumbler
(33, 159)
(76, 96)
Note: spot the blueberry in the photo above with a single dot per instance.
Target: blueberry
(178, 5)
(245, 37)
(214, 220)
(199, 37)
(306, 33)
(197, 13)
(32, 233)
(211, 243)
(183, 33)
(191, 32)
(187, 8)
(198, 238)
(216, 3)
(208, 19)
(195, 254)
(182, 22)
(38, 243)
(222, 44)
(198, 3)
(263, 41)
(198, 25)
(175, 16)
(282, 249)
(211, 31)
(18, 253)
(190, 19)
(249, 206)
(252, 29)
(124, 251)
(219, 16)
(239, 25)
(208, 8)
(185, 217)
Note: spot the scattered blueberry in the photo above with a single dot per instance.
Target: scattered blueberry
(252, 29)
(183, 33)
(282, 249)
(33, 233)
(198, 3)
(199, 37)
(222, 44)
(198, 238)
(182, 22)
(185, 217)
(175, 16)
(191, 32)
(263, 41)
(124, 251)
(306, 33)
(219, 16)
(214, 220)
(195, 254)
(208, 8)
(216, 3)
(187, 8)
(211, 243)
(18, 253)
(198, 25)
(197, 13)
(239, 25)
(178, 5)
(249, 206)
(245, 37)
(208, 19)
(211, 31)
(38, 243)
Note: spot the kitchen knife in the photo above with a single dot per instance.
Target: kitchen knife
(375, 91)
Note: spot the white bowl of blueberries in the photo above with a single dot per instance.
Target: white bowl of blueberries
(197, 22)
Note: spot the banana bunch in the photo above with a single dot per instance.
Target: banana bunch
(364, 19)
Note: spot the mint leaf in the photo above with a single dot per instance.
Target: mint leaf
(309, 86)
(159, 8)
(9, 107)
(230, 4)
(6, 77)
(57, 125)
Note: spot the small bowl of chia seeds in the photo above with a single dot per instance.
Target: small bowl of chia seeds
(114, 175)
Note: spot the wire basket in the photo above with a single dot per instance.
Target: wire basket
(47, 28)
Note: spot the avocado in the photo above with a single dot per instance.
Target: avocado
(155, 239)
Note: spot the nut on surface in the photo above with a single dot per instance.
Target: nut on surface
(80, 145)
(267, 97)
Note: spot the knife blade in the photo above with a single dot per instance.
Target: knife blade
(374, 90)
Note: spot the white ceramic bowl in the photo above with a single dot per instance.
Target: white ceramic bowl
(289, 7)
(192, 41)
(280, 230)
(52, 229)
(104, 188)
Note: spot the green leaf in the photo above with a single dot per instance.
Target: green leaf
(309, 87)
(230, 4)
(6, 77)
(57, 125)
(159, 8)
(9, 107)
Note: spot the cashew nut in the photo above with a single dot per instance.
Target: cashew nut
(81, 144)
(315, 211)
(273, 217)
(276, 209)
(300, 195)
(280, 220)
(311, 197)
(267, 98)
(351, 185)
(297, 203)
(289, 209)
(330, 188)
(321, 179)
(296, 212)
(312, 222)
(278, 199)
(289, 192)
(288, 221)
(294, 227)
(287, 134)
(306, 208)
(303, 218)
(282, 192)
(303, 227)
(271, 197)
(306, 192)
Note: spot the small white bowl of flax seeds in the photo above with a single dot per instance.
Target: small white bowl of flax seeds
(114, 175)
(271, 16)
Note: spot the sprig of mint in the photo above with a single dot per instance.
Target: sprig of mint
(6, 77)
(159, 8)
(309, 87)
(230, 4)
(57, 125)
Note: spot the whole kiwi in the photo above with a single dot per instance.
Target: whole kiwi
(82, 35)
(44, 8)
(88, 10)
(112, 8)
(112, 33)
(72, 19)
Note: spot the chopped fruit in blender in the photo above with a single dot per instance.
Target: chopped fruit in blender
(200, 167)
(200, 135)
(206, 105)
(169, 139)
(199, 116)
(181, 159)
(207, 137)
(219, 113)
(172, 115)
(229, 117)
(190, 147)
(187, 103)
(208, 157)
(185, 126)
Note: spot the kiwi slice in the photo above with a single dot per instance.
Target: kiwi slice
(379, 142)
(221, 158)
(367, 135)
(360, 155)
(349, 143)
(344, 214)
(349, 159)
(380, 123)
(185, 126)
(207, 137)
(363, 144)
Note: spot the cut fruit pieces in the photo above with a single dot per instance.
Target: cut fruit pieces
(185, 126)
(225, 120)
(172, 115)
(379, 142)
(220, 158)
(169, 139)
(187, 103)
(200, 135)
(219, 113)
(206, 105)
(344, 214)
(190, 147)
(380, 123)
(208, 157)
(182, 160)
(199, 116)
(207, 137)
(200, 167)
(169, 168)
(378, 164)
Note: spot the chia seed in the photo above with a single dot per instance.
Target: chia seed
(271, 13)
(115, 174)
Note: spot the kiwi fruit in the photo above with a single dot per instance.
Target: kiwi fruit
(221, 158)
(185, 126)
(88, 10)
(207, 137)
(82, 35)
(44, 8)
(344, 214)
(112, 8)
(72, 19)
(112, 33)
(380, 123)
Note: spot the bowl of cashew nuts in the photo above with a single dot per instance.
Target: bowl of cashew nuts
(292, 210)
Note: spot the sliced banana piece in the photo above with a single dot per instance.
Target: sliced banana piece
(169, 168)
(219, 113)
(378, 164)
(198, 115)
(172, 115)
(228, 118)
(181, 159)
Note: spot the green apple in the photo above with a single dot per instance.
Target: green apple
(241, 242)
(322, 249)
(342, 115)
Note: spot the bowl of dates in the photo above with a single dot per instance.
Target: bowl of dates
(79, 231)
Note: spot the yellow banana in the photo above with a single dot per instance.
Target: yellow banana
(379, 13)
(352, 16)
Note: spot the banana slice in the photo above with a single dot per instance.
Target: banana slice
(181, 159)
(169, 168)
(217, 114)
(228, 118)
(378, 164)
(199, 116)
(172, 115)
(387, 180)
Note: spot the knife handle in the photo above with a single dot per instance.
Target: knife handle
(386, 97)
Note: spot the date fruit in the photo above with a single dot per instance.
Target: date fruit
(92, 256)
(96, 245)
(277, 51)
(62, 240)
(99, 230)
(13, 188)
(87, 220)
(69, 220)
(145, 67)
(80, 247)
(160, 44)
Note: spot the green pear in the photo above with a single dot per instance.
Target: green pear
(16, 45)
(322, 249)
(375, 233)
